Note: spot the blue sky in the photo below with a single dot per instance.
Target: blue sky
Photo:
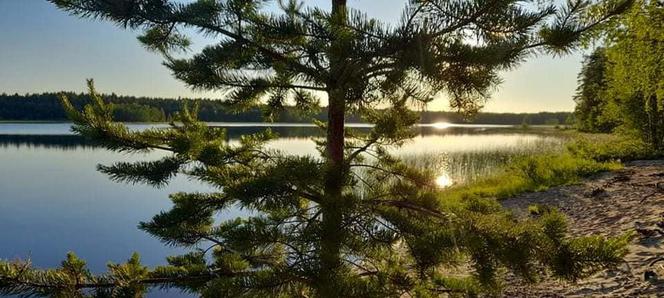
(44, 49)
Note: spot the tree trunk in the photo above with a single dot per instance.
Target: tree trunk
(657, 125)
(654, 123)
(332, 206)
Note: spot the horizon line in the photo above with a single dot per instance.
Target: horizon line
(5, 93)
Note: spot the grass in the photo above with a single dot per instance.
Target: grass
(471, 166)
(533, 173)
(514, 172)
(532, 166)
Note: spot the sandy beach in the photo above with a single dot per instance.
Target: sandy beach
(609, 204)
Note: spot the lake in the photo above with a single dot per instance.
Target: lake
(52, 200)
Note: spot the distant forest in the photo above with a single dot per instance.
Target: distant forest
(46, 107)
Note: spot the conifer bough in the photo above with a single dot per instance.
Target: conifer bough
(354, 222)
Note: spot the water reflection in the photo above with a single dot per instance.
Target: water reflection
(58, 135)
(60, 142)
(236, 129)
(457, 153)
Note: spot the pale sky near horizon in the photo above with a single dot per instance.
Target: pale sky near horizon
(43, 49)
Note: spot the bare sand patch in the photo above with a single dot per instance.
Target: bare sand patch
(609, 204)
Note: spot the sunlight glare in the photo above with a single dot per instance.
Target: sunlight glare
(441, 125)
(444, 181)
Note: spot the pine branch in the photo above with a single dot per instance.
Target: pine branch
(401, 204)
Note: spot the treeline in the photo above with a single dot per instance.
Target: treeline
(46, 107)
(541, 118)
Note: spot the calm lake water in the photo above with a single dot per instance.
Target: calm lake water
(52, 200)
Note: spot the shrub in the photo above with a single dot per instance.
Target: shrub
(611, 147)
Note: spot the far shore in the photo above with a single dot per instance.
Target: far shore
(440, 125)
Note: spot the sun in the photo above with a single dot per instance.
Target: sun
(444, 181)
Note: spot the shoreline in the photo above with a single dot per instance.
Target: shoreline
(608, 204)
(440, 125)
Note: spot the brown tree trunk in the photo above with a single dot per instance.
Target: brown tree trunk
(333, 204)
(329, 283)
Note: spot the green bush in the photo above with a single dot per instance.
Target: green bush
(611, 147)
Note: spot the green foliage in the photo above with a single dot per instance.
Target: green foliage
(73, 279)
(532, 173)
(581, 257)
(309, 231)
(622, 84)
(594, 111)
(469, 166)
(583, 156)
(612, 147)
(635, 71)
(138, 113)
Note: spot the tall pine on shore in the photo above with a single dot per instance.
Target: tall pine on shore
(356, 221)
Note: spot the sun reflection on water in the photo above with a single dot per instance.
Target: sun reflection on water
(444, 181)
(441, 125)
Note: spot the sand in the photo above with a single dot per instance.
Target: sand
(608, 204)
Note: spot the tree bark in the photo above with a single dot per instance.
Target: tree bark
(333, 204)
(329, 284)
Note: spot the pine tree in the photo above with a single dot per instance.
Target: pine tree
(594, 110)
(356, 221)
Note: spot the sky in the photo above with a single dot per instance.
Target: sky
(43, 49)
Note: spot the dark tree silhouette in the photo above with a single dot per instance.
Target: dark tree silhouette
(47, 107)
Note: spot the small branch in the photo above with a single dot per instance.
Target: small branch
(410, 206)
